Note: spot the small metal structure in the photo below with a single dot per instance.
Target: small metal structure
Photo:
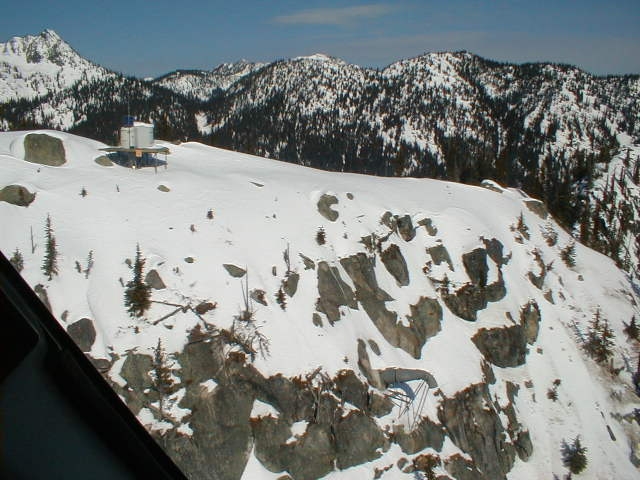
(137, 148)
(409, 401)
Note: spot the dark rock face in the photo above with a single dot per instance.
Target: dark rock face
(357, 440)
(44, 149)
(83, 334)
(234, 270)
(473, 297)
(537, 207)
(402, 225)
(475, 263)
(359, 267)
(425, 318)
(503, 347)
(473, 424)
(494, 250)
(43, 296)
(530, 321)
(461, 469)
(324, 207)
(290, 284)
(427, 223)
(427, 434)
(395, 264)
(405, 228)
(308, 263)
(154, 280)
(440, 254)
(17, 195)
(333, 292)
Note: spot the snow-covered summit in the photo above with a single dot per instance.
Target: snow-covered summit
(349, 280)
(35, 65)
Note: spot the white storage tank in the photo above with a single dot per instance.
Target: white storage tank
(127, 137)
(144, 134)
(139, 135)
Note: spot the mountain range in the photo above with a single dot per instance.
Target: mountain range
(551, 130)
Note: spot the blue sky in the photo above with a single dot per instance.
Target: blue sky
(148, 38)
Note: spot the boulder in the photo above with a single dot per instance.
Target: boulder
(17, 195)
(234, 270)
(83, 333)
(164, 188)
(154, 280)
(104, 161)
(324, 207)
(44, 149)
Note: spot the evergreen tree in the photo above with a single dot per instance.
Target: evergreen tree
(50, 264)
(599, 344)
(162, 381)
(574, 456)
(631, 329)
(137, 296)
(568, 254)
(17, 260)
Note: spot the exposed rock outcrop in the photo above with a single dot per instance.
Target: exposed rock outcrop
(426, 434)
(44, 149)
(334, 292)
(360, 269)
(530, 321)
(503, 347)
(473, 424)
(440, 254)
(395, 264)
(83, 333)
(290, 284)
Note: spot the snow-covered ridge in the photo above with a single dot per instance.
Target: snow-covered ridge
(261, 208)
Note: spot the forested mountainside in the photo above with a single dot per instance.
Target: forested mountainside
(549, 129)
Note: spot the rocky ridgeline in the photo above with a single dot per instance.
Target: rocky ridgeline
(218, 384)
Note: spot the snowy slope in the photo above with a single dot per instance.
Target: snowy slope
(202, 84)
(36, 65)
(262, 206)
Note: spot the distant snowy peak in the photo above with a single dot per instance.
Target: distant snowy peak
(35, 65)
(201, 84)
